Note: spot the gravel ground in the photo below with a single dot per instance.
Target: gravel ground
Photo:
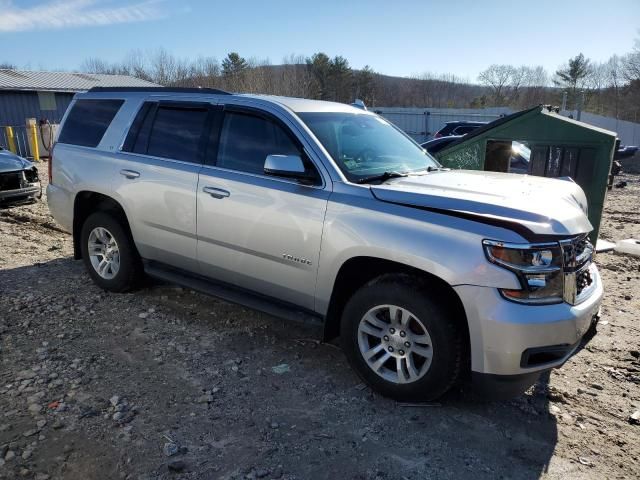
(167, 383)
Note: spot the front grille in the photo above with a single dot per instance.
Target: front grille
(11, 180)
(577, 256)
(583, 280)
(31, 175)
(576, 252)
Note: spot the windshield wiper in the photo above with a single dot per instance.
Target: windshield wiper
(382, 177)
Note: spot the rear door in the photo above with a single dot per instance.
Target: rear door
(158, 177)
(259, 232)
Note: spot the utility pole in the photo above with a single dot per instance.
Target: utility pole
(580, 104)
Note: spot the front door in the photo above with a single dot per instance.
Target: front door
(259, 232)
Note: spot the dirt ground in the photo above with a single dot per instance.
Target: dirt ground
(165, 383)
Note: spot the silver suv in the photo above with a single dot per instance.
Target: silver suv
(328, 214)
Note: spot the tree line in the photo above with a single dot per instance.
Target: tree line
(610, 88)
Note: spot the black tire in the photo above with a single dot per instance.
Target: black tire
(130, 272)
(447, 339)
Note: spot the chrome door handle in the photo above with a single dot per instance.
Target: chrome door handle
(216, 192)
(130, 174)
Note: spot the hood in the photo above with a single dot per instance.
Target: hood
(10, 162)
(535, 207)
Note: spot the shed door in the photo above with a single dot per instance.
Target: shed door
(560, 161)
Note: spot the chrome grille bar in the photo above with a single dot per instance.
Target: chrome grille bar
(577, 257)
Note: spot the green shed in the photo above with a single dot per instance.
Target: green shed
(539, 141)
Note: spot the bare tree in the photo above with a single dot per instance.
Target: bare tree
(614, 86)
(631, 68)
(498, 78)
(614, 79)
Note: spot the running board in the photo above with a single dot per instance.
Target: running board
(232, 294)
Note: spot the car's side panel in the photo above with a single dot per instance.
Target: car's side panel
(450, 248)
(161, 206)
(77, 169)
(264, 236)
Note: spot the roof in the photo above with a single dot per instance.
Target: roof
(64, 81)
(157, 89)
(298, 105)
(302, 105)
(537, 110)
(491, 125)
(465, 122)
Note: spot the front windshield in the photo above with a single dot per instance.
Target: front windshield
(365, 145)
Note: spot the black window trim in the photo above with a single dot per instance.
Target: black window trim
(212, 159)
(154, 105)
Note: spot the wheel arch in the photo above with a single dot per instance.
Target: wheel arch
(87, 202)
(358, 271)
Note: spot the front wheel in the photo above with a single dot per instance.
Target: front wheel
(400, 340)
(109, 254)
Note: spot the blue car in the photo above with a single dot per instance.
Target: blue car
(19, 179)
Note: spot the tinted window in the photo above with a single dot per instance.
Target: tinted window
(246, 140)
(88, 120)
(176, 133)
(464, 130)
(138, 135)
(444, 131)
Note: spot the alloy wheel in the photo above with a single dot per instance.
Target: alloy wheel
(395, 344)
(104, 253)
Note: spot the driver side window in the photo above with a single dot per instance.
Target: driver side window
(246, 140)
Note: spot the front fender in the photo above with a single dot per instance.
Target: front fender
(448, 247)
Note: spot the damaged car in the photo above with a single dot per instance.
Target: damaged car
(327, 214)
(19, 179)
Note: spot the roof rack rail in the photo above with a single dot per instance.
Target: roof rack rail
(212, 91)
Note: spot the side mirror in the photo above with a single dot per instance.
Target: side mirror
(290, 166)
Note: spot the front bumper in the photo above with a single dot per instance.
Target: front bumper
(31, 191)
(16, 185)
(509, 338)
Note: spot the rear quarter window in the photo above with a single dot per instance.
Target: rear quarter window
(87, 122)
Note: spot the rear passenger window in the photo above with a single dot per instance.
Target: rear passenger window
(246, 140)
(87, 121)
(176, 133)
(464, 130)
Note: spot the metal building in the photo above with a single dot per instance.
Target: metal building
(25, 94)
(46, 96)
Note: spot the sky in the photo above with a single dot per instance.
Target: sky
(402, 38)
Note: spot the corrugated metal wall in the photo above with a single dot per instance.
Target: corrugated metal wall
(16, 107)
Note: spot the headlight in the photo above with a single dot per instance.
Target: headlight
(538, 267)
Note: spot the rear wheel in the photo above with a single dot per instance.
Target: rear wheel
(400, 340)
(109, 254)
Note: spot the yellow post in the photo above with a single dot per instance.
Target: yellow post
(33, 139)
(11, 139)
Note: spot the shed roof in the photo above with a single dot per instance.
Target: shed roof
(64, 81)
(526, 115)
